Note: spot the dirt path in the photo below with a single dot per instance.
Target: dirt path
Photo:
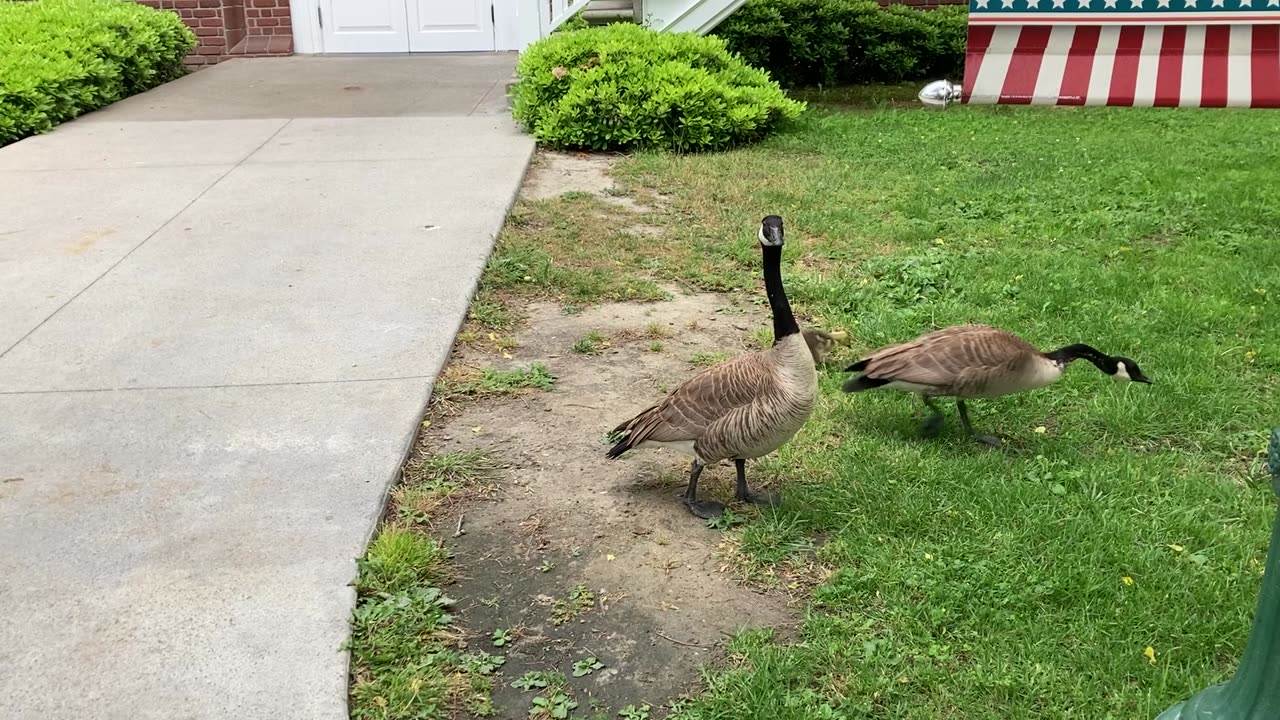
(563, 516)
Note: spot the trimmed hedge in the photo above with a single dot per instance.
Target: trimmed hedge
(63, 58)
(624, 87)
(808, 43)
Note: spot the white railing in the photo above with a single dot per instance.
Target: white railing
(700, 16)
(553, 13)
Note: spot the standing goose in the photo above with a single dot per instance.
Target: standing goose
(745, 407)
(975, 361)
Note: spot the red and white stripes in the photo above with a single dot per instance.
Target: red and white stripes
(1132, 65)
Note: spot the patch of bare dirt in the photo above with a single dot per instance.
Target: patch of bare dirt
(565, 516)
(552, 174)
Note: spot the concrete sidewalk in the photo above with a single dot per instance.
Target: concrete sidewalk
(222, 306)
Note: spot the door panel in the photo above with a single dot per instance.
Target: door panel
(450, 25)
(359, 26)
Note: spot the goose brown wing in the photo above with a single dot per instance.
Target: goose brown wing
(961, 356)
(692, 407)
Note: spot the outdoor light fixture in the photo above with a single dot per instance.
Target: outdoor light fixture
(940, 93)
(1253, 693)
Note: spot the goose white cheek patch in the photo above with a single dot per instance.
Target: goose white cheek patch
(1122, 373)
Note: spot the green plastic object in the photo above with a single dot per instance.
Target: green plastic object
(1253, 693)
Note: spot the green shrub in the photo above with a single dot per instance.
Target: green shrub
(806, 43)
(622, 87)
(62, 58)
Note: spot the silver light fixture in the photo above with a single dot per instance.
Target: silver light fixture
(940, 93)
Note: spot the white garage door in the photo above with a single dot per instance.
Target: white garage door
(389, 26)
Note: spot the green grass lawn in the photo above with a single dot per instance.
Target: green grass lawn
(955, 582)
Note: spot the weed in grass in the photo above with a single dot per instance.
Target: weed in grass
(398, 559)
(501, 637)
(492, 381)
(538, 679)
(479, 697)
(655, 347)
(401, 662)
(586, 666)
(556, 705)
(590, 344)
(726, 520)
(456, 468)
(707, 359)
(635, 712)
(762, 338)
(431, 480)
(657, 331)
(568, 608)
(491, 315)
(504, 343)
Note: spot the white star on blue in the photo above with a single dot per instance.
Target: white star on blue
(1070, 7)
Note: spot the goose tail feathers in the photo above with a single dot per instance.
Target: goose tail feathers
(625, 439)
(862, 382)
(620, 448)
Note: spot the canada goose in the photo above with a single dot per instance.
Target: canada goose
(745, 407)
(975, 361)
(821, 342)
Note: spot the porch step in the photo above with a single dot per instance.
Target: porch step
(601, 12)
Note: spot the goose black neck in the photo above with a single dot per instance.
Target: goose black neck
(1080, 351)
(784, 322)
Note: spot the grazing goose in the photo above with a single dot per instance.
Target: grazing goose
(975, 361)
(821, 342)
(745, 407)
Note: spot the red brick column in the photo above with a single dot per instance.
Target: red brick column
(270, 31)
(233, 28)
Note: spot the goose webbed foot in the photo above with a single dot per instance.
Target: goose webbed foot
(705, 509)
(756, 497)
(761, 497)
(987, 440)
(932, 425)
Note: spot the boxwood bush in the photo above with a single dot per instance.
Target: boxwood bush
(807, 43)
(622, 87)
(62, 58)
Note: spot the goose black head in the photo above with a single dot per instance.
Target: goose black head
(1127, 370)
(771, 231)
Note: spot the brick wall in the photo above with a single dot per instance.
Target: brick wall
(233, 28)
